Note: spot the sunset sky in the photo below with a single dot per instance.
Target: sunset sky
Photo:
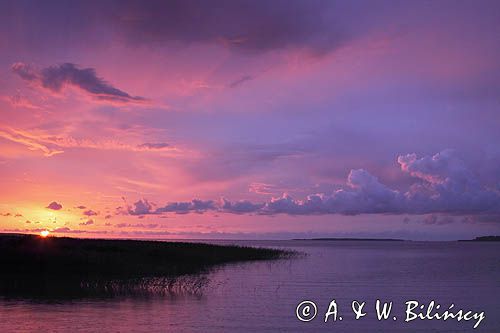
(250, 119)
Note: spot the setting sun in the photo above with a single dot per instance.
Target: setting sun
(44, 233)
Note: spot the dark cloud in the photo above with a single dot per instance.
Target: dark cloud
(62, 229)
(138, 225)
(35, 230)
(195, 205)
(438, 220)
(54, 206)
(90, 212)
(25, 72)
(240, 81)
(240, 207)
(254, 25)
(66, 230)
(154, 146)
(81, 207)
(444, 185)
(242, 25)
(88, 222)
(141, 207)
(55, 78)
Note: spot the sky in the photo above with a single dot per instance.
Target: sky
(250, 119)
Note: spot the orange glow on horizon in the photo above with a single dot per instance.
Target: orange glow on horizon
(44, 233)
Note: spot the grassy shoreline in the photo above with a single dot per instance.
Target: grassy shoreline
(32, 265)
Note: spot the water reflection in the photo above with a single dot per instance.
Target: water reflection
(261, 296)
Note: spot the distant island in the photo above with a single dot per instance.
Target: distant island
(353, 239)
(67, 267)
(482, 239)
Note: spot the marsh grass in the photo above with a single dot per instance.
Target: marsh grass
(70, 267)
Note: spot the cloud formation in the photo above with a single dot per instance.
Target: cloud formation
(256, 26)
(443, 184)
(144, 207)
(90, 212)
(20, 101)
(55, 78)
(240, 81)
(29, 141)
(88, 222)
(138, 225)
(154, 146)
(446, 184)
(52, 145)
(54, 206)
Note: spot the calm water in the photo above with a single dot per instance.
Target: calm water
(262, 297)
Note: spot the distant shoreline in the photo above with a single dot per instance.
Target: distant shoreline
(482, 239)
(352, 239)
(477, 239)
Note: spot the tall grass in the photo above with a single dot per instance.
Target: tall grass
(35, 266)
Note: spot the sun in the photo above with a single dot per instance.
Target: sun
(44, 233)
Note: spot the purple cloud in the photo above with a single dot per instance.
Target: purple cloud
(62, 229)
(54, 206)
(67, 230)
(154, 146)
(138, 225)
(55, 78)
(443, 185)
(240, 81)
(240, 207)
(239, 25)
(195, 205)
(89, 212)
(141, 207)
(447, 185)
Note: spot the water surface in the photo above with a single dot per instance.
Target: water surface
(262, 296)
